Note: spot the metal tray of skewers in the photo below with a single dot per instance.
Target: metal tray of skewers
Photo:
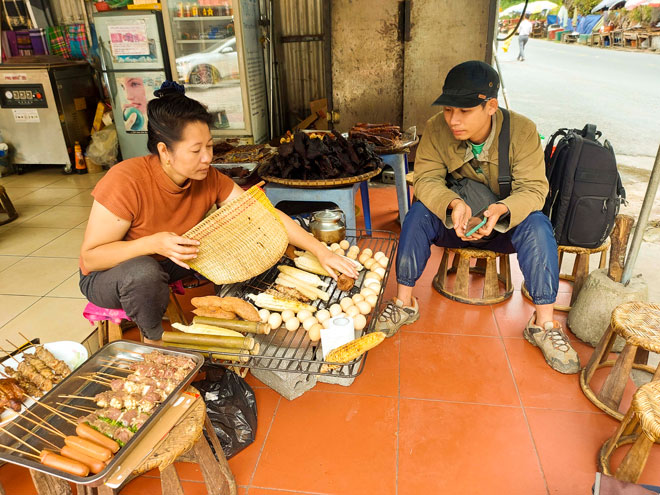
(120, 391)
(294, 352)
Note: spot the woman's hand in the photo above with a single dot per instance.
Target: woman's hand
(174, 247)
(331, 262)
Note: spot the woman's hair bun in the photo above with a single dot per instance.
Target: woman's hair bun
(169, 88)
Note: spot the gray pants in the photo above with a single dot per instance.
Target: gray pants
(522, 41)
(139, 286)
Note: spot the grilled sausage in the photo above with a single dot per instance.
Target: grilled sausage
(94, 465)
(88, 448)
(89, 433)
(56, 461)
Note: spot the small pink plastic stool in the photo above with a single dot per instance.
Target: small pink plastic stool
(109, 320)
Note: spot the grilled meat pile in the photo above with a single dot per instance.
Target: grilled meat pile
(332, 157)
(382, 135)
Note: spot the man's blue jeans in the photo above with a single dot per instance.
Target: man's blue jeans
(532, 239)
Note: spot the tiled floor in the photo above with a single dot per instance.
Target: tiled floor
(457, 403)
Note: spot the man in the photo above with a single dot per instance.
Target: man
(524, 30)
(462, 141)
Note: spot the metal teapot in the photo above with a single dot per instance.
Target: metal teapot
(328, 226)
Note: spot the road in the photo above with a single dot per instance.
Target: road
(562, 85)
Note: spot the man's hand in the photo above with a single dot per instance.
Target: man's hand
(460, 215)
(493, 214)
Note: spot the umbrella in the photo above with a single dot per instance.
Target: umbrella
(608, 4)
(631, 4)
(532, 7)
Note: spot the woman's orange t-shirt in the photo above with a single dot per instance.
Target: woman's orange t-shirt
(139, 190)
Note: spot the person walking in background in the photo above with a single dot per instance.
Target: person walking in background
(524, 30)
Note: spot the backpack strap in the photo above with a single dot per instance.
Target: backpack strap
(589, 132)
(504, 170)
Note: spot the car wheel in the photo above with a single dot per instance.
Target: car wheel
(204, 74)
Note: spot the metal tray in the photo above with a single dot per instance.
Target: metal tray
(72, 385)
(251, 167)
(292, 351)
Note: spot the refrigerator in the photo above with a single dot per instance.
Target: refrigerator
(216, 54)
(134, 63)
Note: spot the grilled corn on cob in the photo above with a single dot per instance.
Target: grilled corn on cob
(272, 303)
(310, 264)
(302, 275)
(352, 350)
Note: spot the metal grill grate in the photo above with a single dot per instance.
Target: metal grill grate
(293, 352)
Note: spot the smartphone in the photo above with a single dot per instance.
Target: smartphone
(476, 227)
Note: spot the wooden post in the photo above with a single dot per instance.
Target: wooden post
(622, 227)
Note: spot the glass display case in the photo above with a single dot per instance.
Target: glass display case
(212, 43)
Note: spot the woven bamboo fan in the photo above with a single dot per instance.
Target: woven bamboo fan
(240, 240)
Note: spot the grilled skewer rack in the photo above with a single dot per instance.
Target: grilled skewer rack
(293, 352)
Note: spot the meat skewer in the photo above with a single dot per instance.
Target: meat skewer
(58, 366)
(34, 434)
(23, 382)
(31, 359)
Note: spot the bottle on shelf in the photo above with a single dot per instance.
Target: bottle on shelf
(179, 9)
(195, 10)
(186, 11)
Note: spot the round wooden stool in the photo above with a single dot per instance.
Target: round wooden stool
(580, 269)
(486, 265)
(638, 323)
(6, 207)
(641, 427)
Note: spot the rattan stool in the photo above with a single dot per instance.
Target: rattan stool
(641, 427)
(580, 269)
(638, 323)
(486, 265)
(6, 207)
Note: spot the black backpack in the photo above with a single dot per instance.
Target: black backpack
(585, 187)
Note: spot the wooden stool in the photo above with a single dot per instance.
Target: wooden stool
(486, 265)
(580, 269)
(7, 207)
(184, 443)
(639, 324)
(641, 427)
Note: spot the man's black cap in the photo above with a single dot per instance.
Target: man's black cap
(469, 84)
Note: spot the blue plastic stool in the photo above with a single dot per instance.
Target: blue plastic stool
(343, 197)
(399, 164)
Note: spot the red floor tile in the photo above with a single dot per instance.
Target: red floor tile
(254, 382)
(380, 375)
(441, 315)
(567, 443)
(189, 471)
(541, 386)
(268, 491)
(513, 314)
(242, 464)
(16, 480)
(142, 485)
(337, 444)
(465, 449)
(456, 368)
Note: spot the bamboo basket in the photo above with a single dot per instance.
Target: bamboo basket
(240, 240)
(321, 183)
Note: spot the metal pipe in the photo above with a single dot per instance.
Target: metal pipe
(644, 213)
(271, 67)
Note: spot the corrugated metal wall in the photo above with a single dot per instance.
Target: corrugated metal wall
(301, 62)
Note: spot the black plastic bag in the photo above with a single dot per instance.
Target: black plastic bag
(231, 406)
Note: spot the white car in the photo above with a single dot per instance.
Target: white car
(210, 66)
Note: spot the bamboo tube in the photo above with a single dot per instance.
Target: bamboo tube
(221, 341)
(240, 355)
(254, 327)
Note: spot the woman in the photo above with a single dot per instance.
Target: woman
(133, 246)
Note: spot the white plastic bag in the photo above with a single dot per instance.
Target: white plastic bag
(104, 146)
